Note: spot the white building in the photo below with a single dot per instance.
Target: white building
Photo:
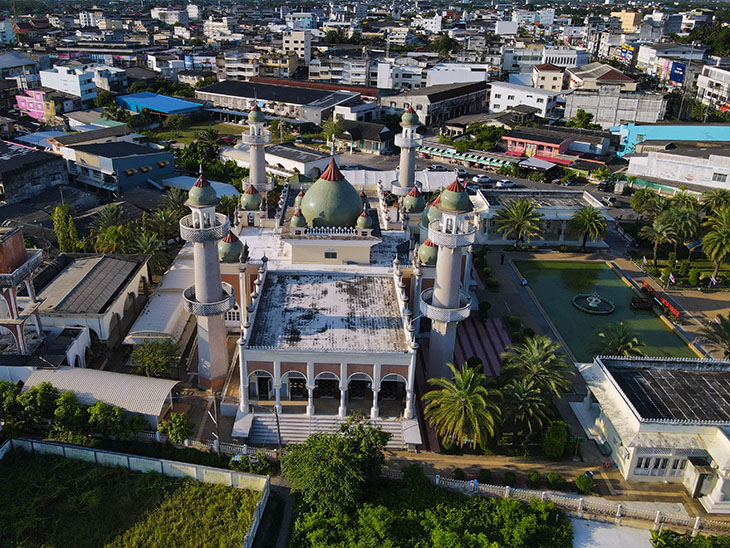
(506, 28)
(88, 19)
(340, 70)
(504, 96)
(664, 420)
(455, 73)
(403, 73)
(564, 57)
(193, 12)
(713, 87)
(221, 27)
(300, 42)
(302, 20)
(611, 106)
(78, 81)
(704, 166)
(648, 55)
(430, 24)
(170, 17)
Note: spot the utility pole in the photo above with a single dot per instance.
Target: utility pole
(215, 421)
(278, 428)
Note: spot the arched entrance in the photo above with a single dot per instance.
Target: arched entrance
(296, 384)
(360, 394)
(260, 385)
(392, 396)
(327, 386)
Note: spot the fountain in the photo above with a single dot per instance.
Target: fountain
(593, 303)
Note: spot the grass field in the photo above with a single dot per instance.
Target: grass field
(50, 501)
(189, 134)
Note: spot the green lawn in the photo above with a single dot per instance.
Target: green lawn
(50, 501)
(189, 134)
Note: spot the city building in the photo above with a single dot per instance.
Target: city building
(593, 75)
(46, 105)
(170, 16)
(282, 160)
(154, 102)
(193, 12)
(301, 20)
(611, 106)
(556, 144)
(650, 54)
(73, 80)
(26, 172)
(110, 134)
(436, 104)
(7, 35)
(633, 136)
(630, 20)
(504, 96)
(367, 137)
(193, 77)
(456, 73)
(340, 70)
(713, 87)
(564, 57)
(547, 76)
(690, 163)
(20, 68)
(300, 42)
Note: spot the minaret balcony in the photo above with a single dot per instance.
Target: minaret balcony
(267, 186)
(263, 139)
(451, 240)
(218, 308)
(405, 142)
(191, 233)
(441, 314)
(33, 259)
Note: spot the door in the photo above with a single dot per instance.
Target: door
(327, 388)
(297, 389)
(264, 387)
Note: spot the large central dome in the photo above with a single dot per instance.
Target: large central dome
(331, 200)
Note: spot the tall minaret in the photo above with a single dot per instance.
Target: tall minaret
(208, 299)
(256, 138)
(408, 141)
(447, 303)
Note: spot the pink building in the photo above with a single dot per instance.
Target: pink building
(32, 103)
(45, 104)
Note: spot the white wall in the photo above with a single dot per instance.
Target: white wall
(682, 169)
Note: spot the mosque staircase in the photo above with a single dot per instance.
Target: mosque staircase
(296, 428)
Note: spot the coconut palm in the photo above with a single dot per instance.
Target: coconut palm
(149, 244)
(228, 205)
(585, 222)
(463, 408)
(601, 173)
(174, 200)
(656, 206)
(113, 239)
(716, 242)
(524, 407)
(539, 360)
(658, 232)
(208, 137)
(165, 224)
(685, 222)
(640, 199)
(617, 339)
(716, 200)
(519, 219)
(716, 335)
(109, 215)
(685, 199)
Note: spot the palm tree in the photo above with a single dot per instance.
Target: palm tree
(658, 232)
(463, 408)
(656, 206)
(165, 224)
(716, 335)
(640, 199)
(685, 222)
(524, 407)
(685, 199)
(208, 137)
(601, 173)
(617, 339)
(112, 112)
(587, 221)
(174, 200)
(109, 215)
(150, 244)
(716, 199)
(521, 219)
(716, 243)
(113, 239)
(539, 360)
(228, 205)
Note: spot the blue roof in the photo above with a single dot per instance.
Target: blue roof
(39, 138)
(157, 103)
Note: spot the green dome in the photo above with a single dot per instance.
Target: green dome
(230, 249)
(202, 194)
(409, 118)
(298, 220)
(364, 221)
(454, 198)
(431, 213)
(298, 199)
(251, 199)
(331, 201)
(427, 253)
(414, 202)
(256, 116)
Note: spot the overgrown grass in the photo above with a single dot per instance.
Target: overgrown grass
(49, 500)
(189, 134)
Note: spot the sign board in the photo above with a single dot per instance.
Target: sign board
(676, 74)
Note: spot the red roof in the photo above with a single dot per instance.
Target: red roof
(429, 243)
(614, 75)
(251, 190)
(455, 186)
(230, 238)
(332, 173)
(414, 192)
(298, 212)
(256, 107)
(548, 67)
(364, 213)
(409, 110)
(201, 182)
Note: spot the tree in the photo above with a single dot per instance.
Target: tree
(684, 199)
(331, 127)
(150, 244)
(582, 119)
(640, 199)
(109, 215)
(524, 407)
(716, 243)
(617, 339)
(114, 239)
(685, 223)
(228, 206)
(205, 82)
(208, 137)
(39, 402)
(176, 122)
(601, 173)
(716, 200)
(165, 223)
(539, 360)
(716, 335)
(174, 200)
(519, 219)
(10, 408)
(585, 484)
(445, 45)
(178, 428)
(556, 437)
(114, 112)
(587, 221)
(333, 37)
(105, 419)
(104, 99)
(658, 232)
(332, 471)
(69, 416)
(464, 409)
(64, 227)
(155, 358)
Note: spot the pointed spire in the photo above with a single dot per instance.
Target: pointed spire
(429, 243)
(409, 110)
(414, 192)
(332, 173)
(298, 212)
(230, 237)
(251, 189)
(437, 201)
(256, 107)
(201, 181)
(364, 211)
(301, 193)
(455, 186)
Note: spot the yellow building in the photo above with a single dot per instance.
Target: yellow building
(629, 19)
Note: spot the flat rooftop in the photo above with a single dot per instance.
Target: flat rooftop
(687, 390)
(297, 154)
(543, 198)
(315, 311)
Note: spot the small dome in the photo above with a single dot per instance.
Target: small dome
(409, 118)
(428, 252)
(298, 220)
(431, 212)
(298, 199)
(230, 249)
(454, 198)
(331, 201)
(202, 194)
(364, 221)
(414, 201)
(255, 116)
(251, 199)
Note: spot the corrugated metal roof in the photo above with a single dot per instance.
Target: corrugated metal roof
(132, 393)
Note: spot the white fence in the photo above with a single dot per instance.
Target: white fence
(228, 448)
(206, 474)
(577, 505)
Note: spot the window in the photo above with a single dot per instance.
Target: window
(642, 466)
(542, 78)
(678, 466)
(330, 254)
(660, 467)
(497, 95)
(541, 100)
(495, 107)
(719, 177)
(510, 97)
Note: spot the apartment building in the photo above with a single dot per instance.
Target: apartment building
(7, 35)
(629, 19)
(74, 80)
(713, 87)
(46, 105)
(109, 78)
(611, 105)
(454, 73)
(170, 17)
(593, 75)
(504, 96)
(649, 55)
(244, 65)
(20, 68)
(302, 20)
(547, 76)
(564, 57)
(339, 70)
(300, 42)
(436, 104)
(219, 27)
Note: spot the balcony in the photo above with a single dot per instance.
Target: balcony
(401, 142)
(191, 233)
(263, 139)
(452, 241)
(209, 309)
(441, 314)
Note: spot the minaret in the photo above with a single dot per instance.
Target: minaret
(256, 138)
(408, 141)
(447, 303)
(208, 299)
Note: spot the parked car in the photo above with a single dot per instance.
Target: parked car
(610, 201)
(506, 183)
(436, 167)
(298, 139)
(226, 140)
(461, 173)
(606, 186)
(471, 189)
(482, 180)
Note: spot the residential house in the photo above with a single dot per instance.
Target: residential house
(365, 137)
(26, 172)
(504, 96)
(436, 104)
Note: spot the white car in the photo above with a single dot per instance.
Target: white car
(436, 167)
(506, 183)
(482, 179)
(461, 173)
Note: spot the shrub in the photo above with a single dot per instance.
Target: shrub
(665, 276)
(484, 476)
(672, 260)
(178, 427)
(553, 445)
(684, 268)
(487, 271)
(653, 271)
(694, 276)
(414, 477)
(491, 283)
(510, 478)
(512, 322)
(458, 474)
(528, 332)
(533, 478)
(484, 307)
(555, 481)
(584, 484)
